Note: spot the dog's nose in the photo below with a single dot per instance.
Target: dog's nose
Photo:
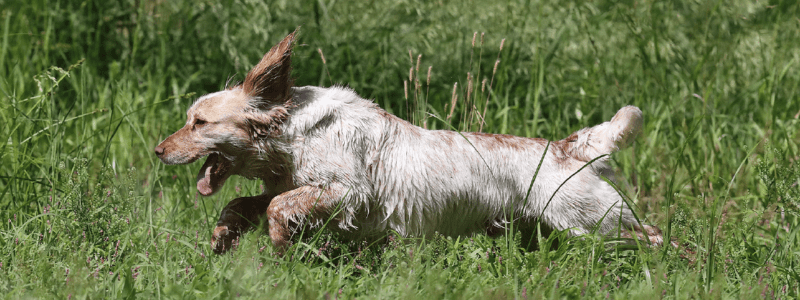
(159, 150)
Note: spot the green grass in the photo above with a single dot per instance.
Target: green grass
(87, 89)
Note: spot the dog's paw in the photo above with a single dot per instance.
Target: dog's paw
(653, 234)
(224, 239)
(645, 233)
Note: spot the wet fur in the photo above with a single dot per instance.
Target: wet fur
(327, 153)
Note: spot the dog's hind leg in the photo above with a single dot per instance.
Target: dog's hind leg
(589, 199)
(306, 205)
(239, 216)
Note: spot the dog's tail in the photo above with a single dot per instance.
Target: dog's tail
(606, 138)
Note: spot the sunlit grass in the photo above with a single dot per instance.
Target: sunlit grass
(87, 89)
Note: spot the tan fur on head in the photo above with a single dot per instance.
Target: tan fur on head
(238, 124)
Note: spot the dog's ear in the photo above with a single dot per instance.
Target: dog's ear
(271, 78)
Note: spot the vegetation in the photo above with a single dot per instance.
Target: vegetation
(88, 88)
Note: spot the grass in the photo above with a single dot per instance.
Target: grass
(89, 88)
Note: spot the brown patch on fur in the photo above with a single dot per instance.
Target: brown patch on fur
(648, 233)
(568, 148)
(447, 139)
(397, 123)
(304, 205)
(492, 141)
(561, 150)
(271, 78)
(385, 114)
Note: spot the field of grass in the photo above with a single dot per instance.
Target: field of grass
(88, 88)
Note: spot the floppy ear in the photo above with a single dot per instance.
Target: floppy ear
(271, 78)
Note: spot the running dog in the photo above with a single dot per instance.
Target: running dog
(328, 156)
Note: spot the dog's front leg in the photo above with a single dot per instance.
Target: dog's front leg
(239, 216)
(304, 205)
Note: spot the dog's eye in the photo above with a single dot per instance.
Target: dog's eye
(199, 123)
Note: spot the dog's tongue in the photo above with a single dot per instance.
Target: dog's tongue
(213, 174)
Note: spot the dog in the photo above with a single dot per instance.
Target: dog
(328, 157)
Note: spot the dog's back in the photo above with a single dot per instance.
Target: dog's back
(416, 181)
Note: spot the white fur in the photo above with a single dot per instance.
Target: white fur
(416, 182)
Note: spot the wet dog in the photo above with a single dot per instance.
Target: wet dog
(327, 156)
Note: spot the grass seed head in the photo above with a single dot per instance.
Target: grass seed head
(429, 75)
(322, 56)
(453, 100)
(469, 84)
(474, 35)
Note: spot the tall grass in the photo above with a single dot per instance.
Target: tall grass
(87, 88)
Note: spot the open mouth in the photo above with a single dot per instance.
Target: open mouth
(213, 174)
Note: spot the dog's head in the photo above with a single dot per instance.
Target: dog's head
(231, 126)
